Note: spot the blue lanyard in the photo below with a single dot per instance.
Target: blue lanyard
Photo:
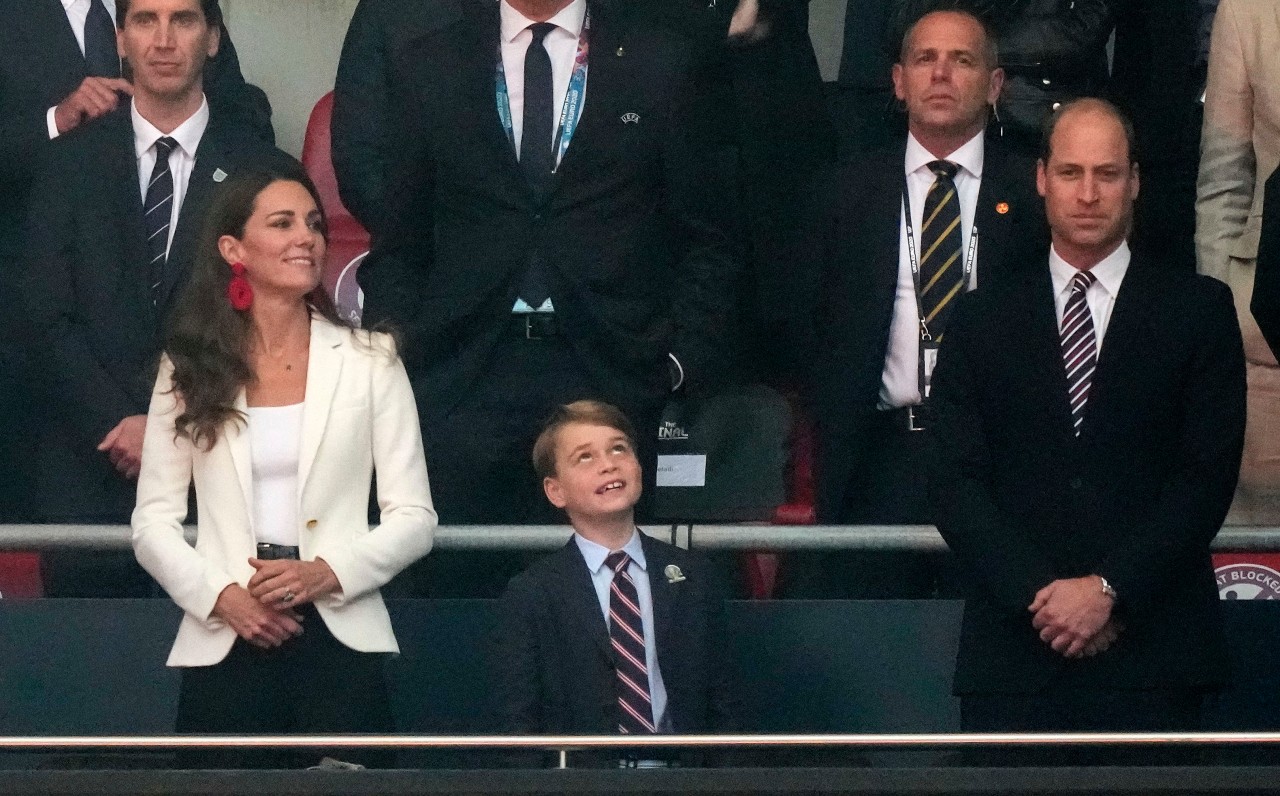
(570, 112)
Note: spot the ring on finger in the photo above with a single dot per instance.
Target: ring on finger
(288, 597)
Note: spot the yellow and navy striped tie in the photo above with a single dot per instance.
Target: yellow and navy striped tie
(941, 242)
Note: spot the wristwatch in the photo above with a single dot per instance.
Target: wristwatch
(1107, 589)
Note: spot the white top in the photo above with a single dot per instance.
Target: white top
(601, 578)
(275, 441)
(900, 382)
(181, 160)
(77, 15)
(562, 47)
(1101, 297)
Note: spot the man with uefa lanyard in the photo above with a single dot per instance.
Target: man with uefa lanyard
(900, 236)
(547, 243)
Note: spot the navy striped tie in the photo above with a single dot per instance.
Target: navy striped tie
(1079, 346)
(941, 269)
(626, 635)
(158, 208)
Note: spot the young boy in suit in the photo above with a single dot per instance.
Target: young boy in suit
(616, 632)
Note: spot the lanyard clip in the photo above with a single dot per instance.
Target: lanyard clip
(925, 336)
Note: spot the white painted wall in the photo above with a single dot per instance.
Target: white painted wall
(290, 49)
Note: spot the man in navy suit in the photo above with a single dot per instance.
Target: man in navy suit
(114, 216)
(616, 633)
(1090, 420)
(60, 70)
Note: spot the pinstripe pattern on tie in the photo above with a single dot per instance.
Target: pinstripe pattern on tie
(941, 240)
(626, 636)
(158, 210)
(1079, 346)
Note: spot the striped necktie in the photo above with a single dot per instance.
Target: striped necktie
(626, 636)
(158, 208)
(1079, 345)
(941, 270)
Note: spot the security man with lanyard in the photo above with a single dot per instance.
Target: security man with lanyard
(550, 241)
(893, 240)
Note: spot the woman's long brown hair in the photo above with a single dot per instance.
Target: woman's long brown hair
(209, 339)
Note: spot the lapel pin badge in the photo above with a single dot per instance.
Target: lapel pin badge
(219, 175)
(621, 52)
(630, 118)
(673, 573)
(1002, 207)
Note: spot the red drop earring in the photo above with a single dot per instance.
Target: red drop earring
(239, 291)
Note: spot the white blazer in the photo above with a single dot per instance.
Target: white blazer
(359, 415)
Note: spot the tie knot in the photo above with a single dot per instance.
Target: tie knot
(944, 169)
(1082, 281)
(540, 31)
(617, 561)
(165, 146)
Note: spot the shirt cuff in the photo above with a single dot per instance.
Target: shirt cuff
(678, 382)
(51, 123)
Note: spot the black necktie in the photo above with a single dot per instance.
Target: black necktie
(536, 161)
(626, 636)
(941, 270)
(158, 208)
(100, 55)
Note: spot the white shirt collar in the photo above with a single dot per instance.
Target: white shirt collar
(569, 18)
(595, 554)
(1110, 271)
(187, 134)
(968, 157)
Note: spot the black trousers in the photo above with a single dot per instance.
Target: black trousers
(886, 483)
(312, 684)
(1068, 707)
(479, 457)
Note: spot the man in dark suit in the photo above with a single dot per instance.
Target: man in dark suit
(1090, 419)
(1264, 302)
(114, 218)
(547, 239)
(59, 69)
(893, 238)
(363, 145)
(615, 633)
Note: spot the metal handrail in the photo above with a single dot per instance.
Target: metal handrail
(575, 743)
(914, 538)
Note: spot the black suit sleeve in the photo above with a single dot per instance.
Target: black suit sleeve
(708, 270)
(1057, 41)
(360, 117)
(1008, 565)
(1194, 499)
(1265, 303)
(394, 274)
(231, 98)
(76, 387)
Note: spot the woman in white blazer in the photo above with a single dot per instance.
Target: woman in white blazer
(279, 413)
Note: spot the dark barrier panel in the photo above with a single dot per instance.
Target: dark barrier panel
(87, 667)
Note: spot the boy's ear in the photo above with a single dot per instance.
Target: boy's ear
(554, 492)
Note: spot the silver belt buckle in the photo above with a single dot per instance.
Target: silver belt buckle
(914, 422)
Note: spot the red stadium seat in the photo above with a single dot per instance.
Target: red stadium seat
(20, 575)
(348, 241)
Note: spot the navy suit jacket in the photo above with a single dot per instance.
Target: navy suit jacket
(1136, 498)
(553, 663)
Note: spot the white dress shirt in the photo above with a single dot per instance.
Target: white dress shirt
(1101, 297)
(601, 578)
(77, 15)
(275, 448)
(900, 382)
(181, 160)
(562, 47)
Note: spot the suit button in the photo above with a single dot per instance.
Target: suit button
(1046, 81)
(1076, 483)
(311, 524)
(537, 216)
(1057, 105)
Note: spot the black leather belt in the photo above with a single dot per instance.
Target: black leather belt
(277, 552)
(908, 418)
(534, 325)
